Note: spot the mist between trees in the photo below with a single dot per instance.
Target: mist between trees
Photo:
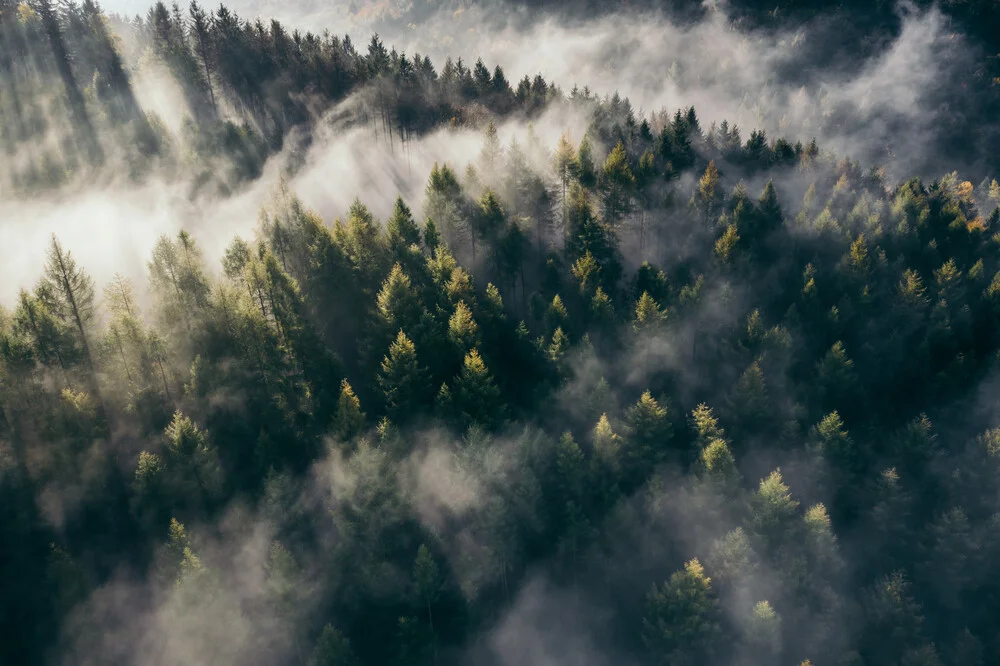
(490, 373)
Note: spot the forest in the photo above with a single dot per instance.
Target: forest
(645, 389)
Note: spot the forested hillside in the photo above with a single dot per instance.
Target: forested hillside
(651, 391)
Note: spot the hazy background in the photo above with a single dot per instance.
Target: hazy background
(896, 107)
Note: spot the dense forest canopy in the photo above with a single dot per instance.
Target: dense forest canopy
(429, 361)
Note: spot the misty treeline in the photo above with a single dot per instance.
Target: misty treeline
(735, 430)
(69, 102)
(657, 393)
(848, 32)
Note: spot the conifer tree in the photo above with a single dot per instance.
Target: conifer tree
(618, 184)
(772, 509)
(648, 315)
(463, 332)
(332, 649)
(648, 437)
(583, 167)
(69, 293)
(401, 228)
(402, 380)
(682, 620)
(427, 585)
(564, 165)
(204, 46)
(709, 194)
(476, 397)
(350, 419)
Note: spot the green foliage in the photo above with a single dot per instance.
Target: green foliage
(583, 164)
(332, 649)
(725, 247)
(402, 380)
(762, 634)
(586, 271)
(717, 463)
(682, 620)
(648, 437)
(401, 229)
(705, 425)
(462, 328)
(648, 314)
(475, 398)
(772, 508)
(732, 558)
(617, 183)
(350, 419)
(836, 379)
(540, 290)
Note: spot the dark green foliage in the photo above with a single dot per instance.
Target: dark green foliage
(332, 649)
(360, 443)
(681, 624)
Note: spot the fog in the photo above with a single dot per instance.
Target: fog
(885, 111)
(881, 112)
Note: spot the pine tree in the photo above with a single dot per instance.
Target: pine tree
(836, 379)
(332, 649)
(397, 303)
(556, 315)
(648, 315)
(463, 332)
(56, 37)
(709, 194)
(149, 489)
(843, 456)
(732, 559)
(476, 397)
(431, 236)
(564, 165)
(177, 276)
(606, 462)
(748, 402)
(682, 621)
(583, 167)
(193, 467)
(769, 210)
(68, 292)
(705, 425)
(602, 312)
(402, 380)
(401, 228)
(427, 585)
(586, 272)
(350, 420)
(52, 342)
(647, 439)
(204, 46)
(761, 635)
(572, 489)
(618, 184)
(716, 463)
(363, 244)
(492, 151)
(894, 619)
(446, 207)
(772, 509)
(488, 221)
(558, 347)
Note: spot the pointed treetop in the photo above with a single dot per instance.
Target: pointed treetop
(350, 419)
